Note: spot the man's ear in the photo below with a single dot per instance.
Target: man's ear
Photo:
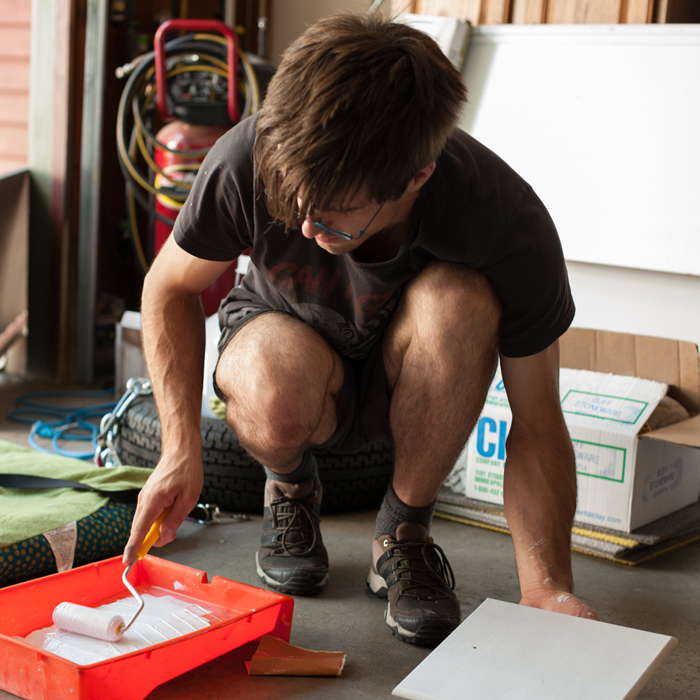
(420, 178)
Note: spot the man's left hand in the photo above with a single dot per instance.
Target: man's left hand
(558, 601)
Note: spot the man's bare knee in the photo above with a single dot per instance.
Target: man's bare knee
(280, 379)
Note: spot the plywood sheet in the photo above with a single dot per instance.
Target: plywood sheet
(504, 650)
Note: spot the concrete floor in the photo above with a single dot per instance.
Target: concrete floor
(660, 596)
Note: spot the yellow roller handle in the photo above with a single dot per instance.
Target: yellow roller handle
(152, 536)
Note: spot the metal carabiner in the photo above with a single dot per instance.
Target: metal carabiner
(106, 453)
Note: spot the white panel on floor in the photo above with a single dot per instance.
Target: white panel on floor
(511, 652)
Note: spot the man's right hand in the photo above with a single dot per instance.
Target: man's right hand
(173, 336)
(176, 481)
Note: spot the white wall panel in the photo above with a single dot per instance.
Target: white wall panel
(604, 122)
(636, 301)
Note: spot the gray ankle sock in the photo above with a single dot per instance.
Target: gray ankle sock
(305, 471)
(394, 511)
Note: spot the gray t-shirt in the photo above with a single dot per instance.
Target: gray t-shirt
(474, 210)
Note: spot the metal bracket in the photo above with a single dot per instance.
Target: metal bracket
(211, 514)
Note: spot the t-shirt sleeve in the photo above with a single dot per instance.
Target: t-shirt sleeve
(528, 271)
(216, 220)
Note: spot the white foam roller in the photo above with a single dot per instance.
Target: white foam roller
(88, 622)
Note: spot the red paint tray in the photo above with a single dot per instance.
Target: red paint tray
(39, 675)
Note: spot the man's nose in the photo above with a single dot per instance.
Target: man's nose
(308, 229)
(307, 226)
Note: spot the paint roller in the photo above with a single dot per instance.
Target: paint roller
(102, 624)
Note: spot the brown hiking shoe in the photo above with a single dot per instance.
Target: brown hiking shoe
(292, 558)
(414, 574)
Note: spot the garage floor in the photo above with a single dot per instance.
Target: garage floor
(660, 596)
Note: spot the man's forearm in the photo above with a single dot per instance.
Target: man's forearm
(540, 502)
(173, 341)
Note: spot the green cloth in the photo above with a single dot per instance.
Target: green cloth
(218, 407)
(27, 513)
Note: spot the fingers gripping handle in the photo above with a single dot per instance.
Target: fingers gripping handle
(152, 536)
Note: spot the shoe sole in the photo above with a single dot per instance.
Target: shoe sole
(430, 633)
(299, 583)
(377, 584)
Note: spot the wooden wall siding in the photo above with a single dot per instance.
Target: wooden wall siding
(583, 11)
(599, 11)
(561, 11)
(637, 11)
(495, 12)
(15, 38)
(462, 9)
(528, 11)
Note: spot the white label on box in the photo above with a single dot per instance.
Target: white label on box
(614, 408)
(601, 461)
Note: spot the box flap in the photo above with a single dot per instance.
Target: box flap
(686, 432)
(609, 403)
(671, 362)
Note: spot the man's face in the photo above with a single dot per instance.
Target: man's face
(361, 219)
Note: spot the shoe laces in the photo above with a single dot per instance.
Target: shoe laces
(293, 517)
(422, 565)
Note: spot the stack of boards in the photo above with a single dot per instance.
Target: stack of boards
(663, 535)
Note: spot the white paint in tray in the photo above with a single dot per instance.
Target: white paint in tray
(162, 619)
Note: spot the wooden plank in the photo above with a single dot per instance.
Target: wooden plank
(495, 12)
(583, 11)
(15, 11)
(504, 650)
(636, 11)
(528, 11)
(461, 9)
(15, 41)
(14, 108)
(660, 11)
(7, 164)
(13, 141)
(14, 74)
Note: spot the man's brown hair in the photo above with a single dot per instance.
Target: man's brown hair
(358, 102)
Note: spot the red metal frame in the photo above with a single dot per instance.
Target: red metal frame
(197, 25)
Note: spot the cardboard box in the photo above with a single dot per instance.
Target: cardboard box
(626, 477)
(128, 355)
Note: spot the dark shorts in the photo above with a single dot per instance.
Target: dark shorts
(363, 403)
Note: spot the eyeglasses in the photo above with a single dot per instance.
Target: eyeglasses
(342, 234)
